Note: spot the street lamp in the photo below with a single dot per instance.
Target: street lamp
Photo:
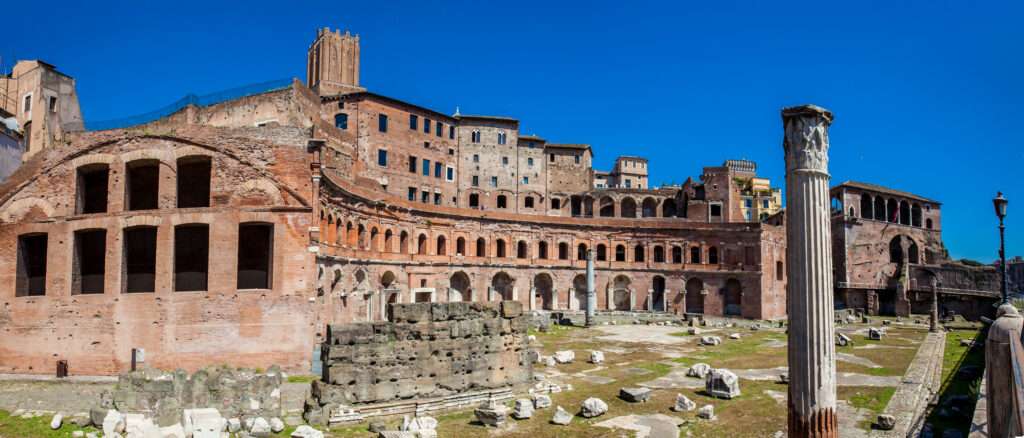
(999, 202)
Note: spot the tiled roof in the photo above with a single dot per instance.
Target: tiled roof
(881, 189)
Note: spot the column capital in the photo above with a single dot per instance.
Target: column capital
(806, 137)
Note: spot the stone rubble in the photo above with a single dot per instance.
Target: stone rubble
(276, 425)
(305, 431)
(710, 340)
(722, 383)
(564, 356)
(541, 401)
(491, 414)
(734, 336)
(635, 395)
(843, 340)
(698, 370)
(523, 409)
(561, 417)
(684, 404)
(596, 357)
(885, 422)
(593, 407)
(56, 421)
(706, 412)
(875, 334)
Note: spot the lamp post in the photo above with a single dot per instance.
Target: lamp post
(999, 202)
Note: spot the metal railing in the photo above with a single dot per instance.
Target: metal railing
(190, 99)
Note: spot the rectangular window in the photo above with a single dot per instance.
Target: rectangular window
(494, 181)
(476, 158)
(341, 121)
(502, 137)
(439, 129)
(194, 182)
(475, 137)
(412, 164)
(437, 199)
(529, 202)
(255, 255)
(426, 145)
(577, 159)
(556, 204)
(139, 259)
(31, 276)
(53, 104)
(142, 181)
(438, 169)
(28, 103)
(191, 257)
(451, 151)
(716, 210)
(551, 158)
(629, 183)
(476, 181)
(382, 123)
(449, 174)
(92, 188)
(526, 180)
(451, 132)
(504, 161)
(426, 167)
(414, 121)
(748, 203)
(89, 264)
(764, 203)
(529, 162)
(424, 196)
(412, 193)
(382, 157)
(426, 125)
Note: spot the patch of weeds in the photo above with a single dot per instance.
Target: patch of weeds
(302, 379)
(36, 427)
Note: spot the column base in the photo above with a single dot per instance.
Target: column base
(819, 424)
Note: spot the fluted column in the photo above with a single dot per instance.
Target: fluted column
(811, 350)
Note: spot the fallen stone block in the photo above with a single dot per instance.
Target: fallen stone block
(635, 395)
(564, 356)
(541, 401)
(885, 422)
(596, 357)
(710, 340)
(561, 417)
(260, 427)
(722, 383)
(57, 421)
(593, 407)
(491, 414)
(305, 431)
(276, 425)
(843, 340)
(875, 334)
(684, 404)
(113, 423)
(698, 370)
(523, 409)
(734, 336)
(706, 412)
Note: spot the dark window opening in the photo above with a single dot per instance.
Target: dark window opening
(89, 262)
(413, 121)
(716, 210)
(542, 250)
(140, 259)
(778, 270)
(695, 255)
(602, 253)
(563, 251)
(341, 121)
(581, 252)
(638, 253)
(620, 253)
(502, 201)
(194, 182)
(382, 123)
(499, 248)
(255, 255)
(426, 126)
(191, 257)
(528, 202)
(659, 254)
(142, 185)
(474, 200)
(713, 256)
(521, 250)
(677, 254)
(31, 276)
(481, 247)
(556, 204)
(92, 188)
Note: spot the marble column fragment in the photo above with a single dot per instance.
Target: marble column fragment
(811, 348)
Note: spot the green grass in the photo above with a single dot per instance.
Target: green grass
(955, 358)
(302, 379)
(872, 399)
(37, 427)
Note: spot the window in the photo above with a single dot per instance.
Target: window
(576, 158)
(426, 145)
(439, 129)
(476, 158)
(382, 157)
(659, 254)
(255, 255)
(499, 247)
(92, 188)
(602, 253)
(414, 121)
(778, 270)
(542, 250)
(382, 123)
(437, 199)
(638, 253)
(425, 197)
(341, 121)
(139, 259)
(28, 104)
(494, 181)
(449, 174)
(529, 162)
(194, 182)
(748, 203)
(451, 132)
(677, 254)
(53, 104)
(426, 167)
(713, 256)
(412, 193)
(412, 164)
(31, 274)
(191, 256)
(526, 180)
(563, 251)
(142, 182)
(556, 204)
(764, 203)
(438, 169)
(695, 255)
(476, 181)
(581, 252)
(528, 202)
(502, 201)
(474, 200)
(716, 210)
(426, 126)
(552, 158)
(451, 151)
(475, 137)
(522, 250)
(504, 161)
(89, 265)
(502, 137)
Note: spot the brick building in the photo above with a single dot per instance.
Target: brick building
(234, 232)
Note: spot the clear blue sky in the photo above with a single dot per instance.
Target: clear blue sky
(927, 95)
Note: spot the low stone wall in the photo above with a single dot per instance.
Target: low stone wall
(162, 395)
(426, 351)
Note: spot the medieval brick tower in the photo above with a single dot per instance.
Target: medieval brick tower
(332, 66)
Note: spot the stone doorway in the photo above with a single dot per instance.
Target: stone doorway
(658, 294)
(695, 296)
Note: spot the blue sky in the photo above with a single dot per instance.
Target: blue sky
(927, 95)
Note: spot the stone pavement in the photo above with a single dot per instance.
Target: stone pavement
(919, 384)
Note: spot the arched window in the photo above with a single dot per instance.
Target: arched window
(712, 256)
(620, 253)
(502, 201)
(677, 254)
(403, 242)
(879, 208)
(695, 254)
(474, 200)
(374, 239)
(659, 254)
(421, 245)
(627, 208)
(442, 245)
(388, 241)
(500, 248)
(915, 215)
(649, 207)
(602, 252)
(638, 253)
(581, 252)
(928, 223)
(607, 207)
(341, 121)
(563, 251)
(912, 253)
(522, 250)
(481, 247)
(460, 246)
(542, 250)
(865, 207)
(892, 211)
(668, 208)
(895, 250)
(904, 213)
